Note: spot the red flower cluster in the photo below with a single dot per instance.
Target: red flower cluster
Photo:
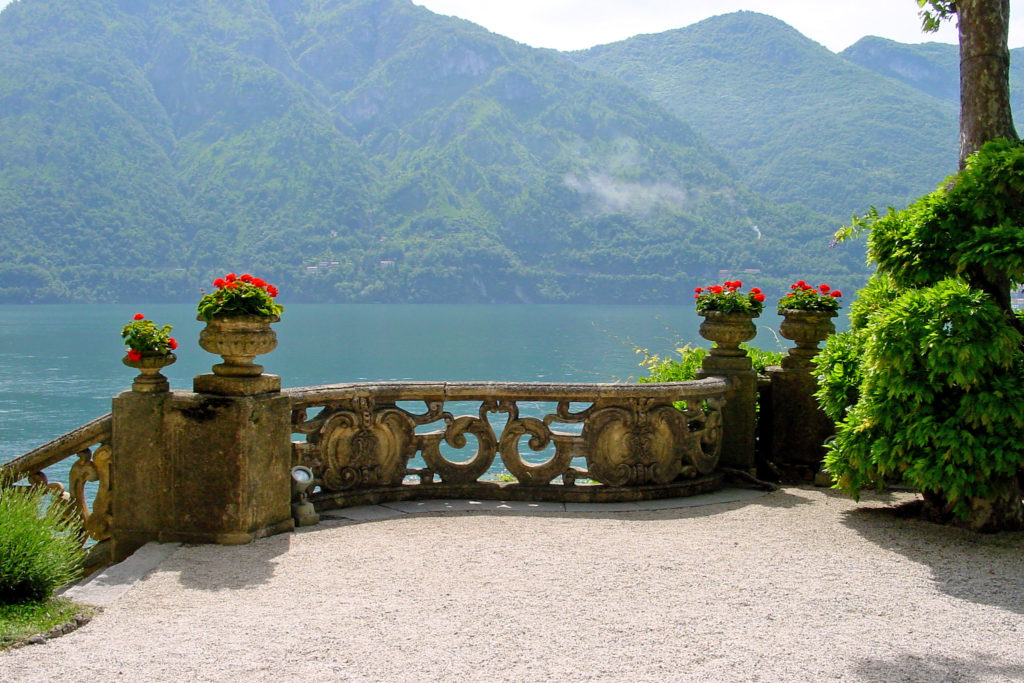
(801, 286)
(232, 281)
(726, 297)
(134, 355)
(138, 316)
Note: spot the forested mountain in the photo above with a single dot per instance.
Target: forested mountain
(933, 68)
(369, 150)
(800, 123)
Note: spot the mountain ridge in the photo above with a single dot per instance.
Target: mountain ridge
(362, 150)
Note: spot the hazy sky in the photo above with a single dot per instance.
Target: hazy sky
(576, 24)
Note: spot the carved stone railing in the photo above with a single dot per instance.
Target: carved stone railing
(635, 443)
(90, 443)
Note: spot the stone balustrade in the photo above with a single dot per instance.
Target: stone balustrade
(620, 441)
(215, 465)
(90, 444)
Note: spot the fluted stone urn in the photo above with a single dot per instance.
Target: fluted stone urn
(728, 331)
(807, 329)
(238, 339)
(150, 379)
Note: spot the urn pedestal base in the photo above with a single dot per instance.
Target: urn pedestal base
(199, 468)
(235, 386)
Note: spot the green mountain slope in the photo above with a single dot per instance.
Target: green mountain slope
(354, 150)
(800, 123)
(932, 68)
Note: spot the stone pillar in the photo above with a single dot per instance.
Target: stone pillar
(201, 467)
(727, 359)
(799, 427)
(739, 412)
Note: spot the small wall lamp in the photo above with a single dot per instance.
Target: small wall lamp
(303, 511)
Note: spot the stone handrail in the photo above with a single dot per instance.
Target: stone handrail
(634, 442)
(91, 444)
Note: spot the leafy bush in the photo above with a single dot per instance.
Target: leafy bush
(927, 384)
(690, 358)
(40, 544)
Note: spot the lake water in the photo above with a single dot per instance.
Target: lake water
(61, 365)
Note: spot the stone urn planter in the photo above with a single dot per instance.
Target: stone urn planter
(728, 331)
(150, 380)
(807, 329)
(238, 339)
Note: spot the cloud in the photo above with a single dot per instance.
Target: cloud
(610, 195)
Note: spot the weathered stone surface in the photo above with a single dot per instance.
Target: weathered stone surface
(200, 468)
(236, 386)
(800, 428)
(517, 492)
(361, 438)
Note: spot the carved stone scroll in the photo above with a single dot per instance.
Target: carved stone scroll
(541, 436)
(93, 467)
(631, 436)
(365, 445)
(637, 443)
(454, 435)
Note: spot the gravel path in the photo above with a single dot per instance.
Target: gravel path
(797, 585)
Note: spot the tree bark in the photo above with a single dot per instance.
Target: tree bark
(985, 112)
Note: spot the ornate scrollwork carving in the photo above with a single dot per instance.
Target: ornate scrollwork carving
(636, 443)
(706, 426)
(93, 466)
(363, 445)
(454, 435)
(541, 436)
(632, 439)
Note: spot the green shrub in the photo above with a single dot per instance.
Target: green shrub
(928, 384)
(690, 358)
(40, 544)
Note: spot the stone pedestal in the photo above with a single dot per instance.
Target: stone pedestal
(199, 468)
(799, 427)
(739, 412)
(727, 359)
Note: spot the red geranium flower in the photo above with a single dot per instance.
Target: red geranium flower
(257, 282)
(836, 293)
(737, 284)
(172, 343)
(246, 278)
(716, 289)
(219, 283)
(755, 290)
(271, 290)
(698, 290)
(824, 288)
(801, 284)
(138, 316)
(759, 297)
(230, 277)
(134, 355)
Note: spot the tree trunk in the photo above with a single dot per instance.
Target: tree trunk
(985, 112)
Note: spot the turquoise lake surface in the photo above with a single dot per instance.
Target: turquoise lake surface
(61, 365)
